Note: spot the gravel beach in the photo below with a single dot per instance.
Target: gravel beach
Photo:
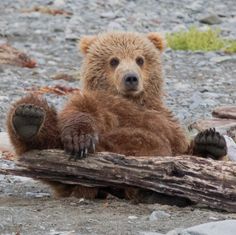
(195, 83)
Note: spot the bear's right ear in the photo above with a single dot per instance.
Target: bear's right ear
(85, 43)
(157, 40)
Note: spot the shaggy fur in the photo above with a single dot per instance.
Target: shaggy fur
(117, 119)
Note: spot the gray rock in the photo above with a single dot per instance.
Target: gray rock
(149, 233)
(114, 26)
(132, 217)
(195, 6)
(179, 27)
(226, 227)
(37, 194)
(221, 59)
(53, 232)
(196, 100)
(231, 148)
(108, 15)
(212, 19)
(156, 215)
(59, 3)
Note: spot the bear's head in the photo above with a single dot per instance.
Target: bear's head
(122, 63)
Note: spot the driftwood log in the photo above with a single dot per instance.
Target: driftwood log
(205, 181)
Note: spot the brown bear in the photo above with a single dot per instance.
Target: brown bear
(120, 109)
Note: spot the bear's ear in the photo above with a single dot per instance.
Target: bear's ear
(85, 43)
(157, 40)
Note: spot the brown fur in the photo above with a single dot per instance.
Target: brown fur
(132, 123)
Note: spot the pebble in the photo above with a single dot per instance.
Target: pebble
(59, 3)
(108, 15)
(212, 19)
(132, 217)
(5, 144)
(149, 233)
(114, 26)
(221, 59)
(196, 100)
(156, 215)
(37, 195)
(53, 232)
(195, 6)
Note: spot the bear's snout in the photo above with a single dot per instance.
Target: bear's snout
(131, 81)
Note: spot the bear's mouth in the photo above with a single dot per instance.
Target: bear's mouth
(131, 92)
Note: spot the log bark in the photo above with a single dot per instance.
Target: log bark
(205, 181)
(225, 112)
(223, 126)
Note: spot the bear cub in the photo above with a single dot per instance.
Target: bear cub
(120, 109)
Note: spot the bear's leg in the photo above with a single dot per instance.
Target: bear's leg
(67, 190)
(32, 124)
(209, 143)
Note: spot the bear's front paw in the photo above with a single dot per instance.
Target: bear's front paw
(78, 145)
(210, 143)
(27, 120)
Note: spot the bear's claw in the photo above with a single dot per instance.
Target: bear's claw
(210, 143)
(27, 120)
(78, 146)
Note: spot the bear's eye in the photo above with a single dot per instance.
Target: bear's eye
(140, 61)
(114, 62)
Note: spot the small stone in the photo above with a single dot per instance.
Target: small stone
(108, 15)
(149, 233)
(3, 98)
(53, 232)
(59, 3)
(114, 26)
(196, 100)
(213, 218)
(52, 62)
(212, 19)
(221, 59)
(37, 195)
(5, 143)
(132, 217)
(81, 200)
(131, 5)
(195, 6)
(158, 215)
(179, 27)
(178, 231)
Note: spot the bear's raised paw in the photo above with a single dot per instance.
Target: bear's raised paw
(27, 120)
(210, 143)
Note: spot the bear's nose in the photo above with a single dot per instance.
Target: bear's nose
(131, 81)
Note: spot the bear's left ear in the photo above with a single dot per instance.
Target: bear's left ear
(85, 43)
(157, 40)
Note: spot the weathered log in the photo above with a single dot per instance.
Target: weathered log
(205, 181)
(225, 112)
(223, 126)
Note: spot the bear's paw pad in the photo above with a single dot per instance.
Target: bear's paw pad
(27, 120)
(210, 143)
